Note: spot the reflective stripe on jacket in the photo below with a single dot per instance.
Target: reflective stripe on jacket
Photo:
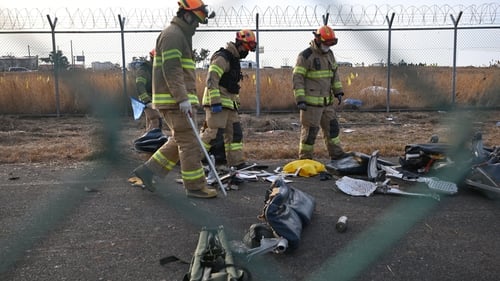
(315, 77)
(174, 77)
(143, 83)
(214, 92)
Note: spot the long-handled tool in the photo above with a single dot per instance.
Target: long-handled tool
(209, 159)
(137, 107)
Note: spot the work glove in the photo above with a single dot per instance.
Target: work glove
(302, 106)
(339, 97)
(216, 107)
(185, 107)
(149, 105)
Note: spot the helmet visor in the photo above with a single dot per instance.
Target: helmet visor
(202, 14)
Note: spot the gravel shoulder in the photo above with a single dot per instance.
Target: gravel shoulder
(74, 219)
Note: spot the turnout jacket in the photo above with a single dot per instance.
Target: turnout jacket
(224, 74)
(315, 77)
(143, 82)
(174, 77)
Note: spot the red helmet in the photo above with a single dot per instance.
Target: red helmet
(247, 38)
(198, 8)
(326, 35)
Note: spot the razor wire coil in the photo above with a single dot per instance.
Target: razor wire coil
(269, 17)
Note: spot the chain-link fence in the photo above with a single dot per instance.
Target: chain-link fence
(423, 58)
(432, 43)
(477, 46)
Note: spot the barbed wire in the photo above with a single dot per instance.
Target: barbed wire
(269, 17)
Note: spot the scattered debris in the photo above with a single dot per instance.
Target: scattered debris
(378, 90)
(353, 103)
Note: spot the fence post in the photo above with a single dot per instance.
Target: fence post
(454, 76)
(389, 62)
(124, 63)
(55, 62)
(257, 72)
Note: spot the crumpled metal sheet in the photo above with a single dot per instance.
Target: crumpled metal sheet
(355, 187)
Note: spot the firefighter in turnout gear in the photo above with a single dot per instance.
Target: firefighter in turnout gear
(317, 88)
(221, 100)
(174, 94)
(144, 87)
(153, 138)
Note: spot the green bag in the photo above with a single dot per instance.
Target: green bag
(213, 260)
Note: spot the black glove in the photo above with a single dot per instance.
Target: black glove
(302, 106)
(339, 97)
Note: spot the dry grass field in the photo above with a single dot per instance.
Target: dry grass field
(28, 135)
(418, 87)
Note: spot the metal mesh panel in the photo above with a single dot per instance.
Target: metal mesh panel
(420, 36)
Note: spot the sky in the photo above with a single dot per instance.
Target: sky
(137, 4)
(284, 55)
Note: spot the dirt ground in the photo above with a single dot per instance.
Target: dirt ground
(67, 213)
(25, 139)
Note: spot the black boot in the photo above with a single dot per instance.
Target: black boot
(146, 175)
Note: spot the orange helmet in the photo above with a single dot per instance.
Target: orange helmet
(247, 38)
(326, 35)
(198, 8)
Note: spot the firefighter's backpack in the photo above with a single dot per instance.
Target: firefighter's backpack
(213, 259)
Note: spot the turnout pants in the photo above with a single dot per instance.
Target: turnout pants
(224, 127)
(182, 145)
(153, 118)
(312, 120)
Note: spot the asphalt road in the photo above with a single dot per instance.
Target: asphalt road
(85, 222)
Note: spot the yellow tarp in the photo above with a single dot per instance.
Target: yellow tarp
(308, 167)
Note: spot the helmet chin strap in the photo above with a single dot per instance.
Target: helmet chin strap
(324, 48)
(190, 19)
(241, 49)
(243, 54)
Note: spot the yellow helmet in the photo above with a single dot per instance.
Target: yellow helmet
(247, 38)
(326, 35)
(198, 8)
